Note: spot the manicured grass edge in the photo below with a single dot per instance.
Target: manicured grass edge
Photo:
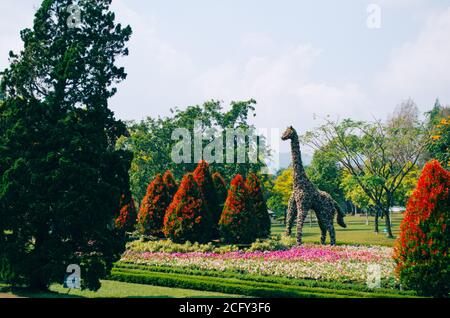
(267, 279)
(234, 286)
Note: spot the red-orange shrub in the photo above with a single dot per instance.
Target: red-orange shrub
(204, 180)
(170, 183)
(153, 208)
(188, 218)
(128, 213)
(236, 224)
(260, 214)
(422, 251)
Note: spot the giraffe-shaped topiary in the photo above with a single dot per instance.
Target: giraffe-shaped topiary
(307, 197)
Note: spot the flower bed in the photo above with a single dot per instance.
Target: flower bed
(341, 263)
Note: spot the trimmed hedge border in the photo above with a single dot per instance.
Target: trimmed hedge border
(234, 285)
(267, 279)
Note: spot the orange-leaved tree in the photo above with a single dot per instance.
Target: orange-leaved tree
(260, 213)
(188, 218)
(422, 251)
(127, 215)
(171, 184)
(202, 176)
(153, 208)
(236, 223)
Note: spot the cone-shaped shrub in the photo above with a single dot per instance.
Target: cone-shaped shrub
(236, 224)
(153, 208)
(188, 218)
(204, 180)
(259, 207)
(171, 184)
(422, 251)
(127, 217)
(221, 190)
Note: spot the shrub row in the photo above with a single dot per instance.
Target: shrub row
(201, 210)
(278, 286)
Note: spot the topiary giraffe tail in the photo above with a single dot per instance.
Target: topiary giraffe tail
(340, 215)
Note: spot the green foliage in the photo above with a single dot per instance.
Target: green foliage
(326, 174)
(61, 175)
(221, 190)
(261, 218)
(167, 246)
(151, 141)
(243, 284)
(378, 155)
(281, 191)
(439, 146)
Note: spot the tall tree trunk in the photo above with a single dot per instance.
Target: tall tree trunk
(377, 230)
(388, 223)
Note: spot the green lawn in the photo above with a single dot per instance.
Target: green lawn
(114, 289)
(357, 232)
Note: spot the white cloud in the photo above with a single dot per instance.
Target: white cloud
(421, 68)
(283, 86)
(16, 15)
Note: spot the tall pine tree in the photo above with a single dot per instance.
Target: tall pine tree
(62, 176)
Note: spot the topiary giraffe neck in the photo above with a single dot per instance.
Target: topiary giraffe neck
(297, 164)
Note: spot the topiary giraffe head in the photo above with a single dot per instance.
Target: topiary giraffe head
(289, 133)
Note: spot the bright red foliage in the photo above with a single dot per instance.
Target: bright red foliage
(171, 184)
(236, 224)
(127, 216)
(187, 218)
(259, 207)
(204, 180)
(422, 251)
(153, 208)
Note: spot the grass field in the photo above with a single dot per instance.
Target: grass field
(115, 289)
(357, 232)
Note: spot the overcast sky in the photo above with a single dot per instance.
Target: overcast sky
(296, 58)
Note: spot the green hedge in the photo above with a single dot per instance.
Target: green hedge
(233, 285)
(266, 279)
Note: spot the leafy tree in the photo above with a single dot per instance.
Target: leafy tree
(326, 174)
(153, 208)
(188, 218)
(237, 222)
(281, 191)
(422, 251)
(170, 183)
(221, 190)
(151, 141)
(378, 155)
(204, 180)
(127, 218)
(61, 175)
(440, 142)
(258, 204)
